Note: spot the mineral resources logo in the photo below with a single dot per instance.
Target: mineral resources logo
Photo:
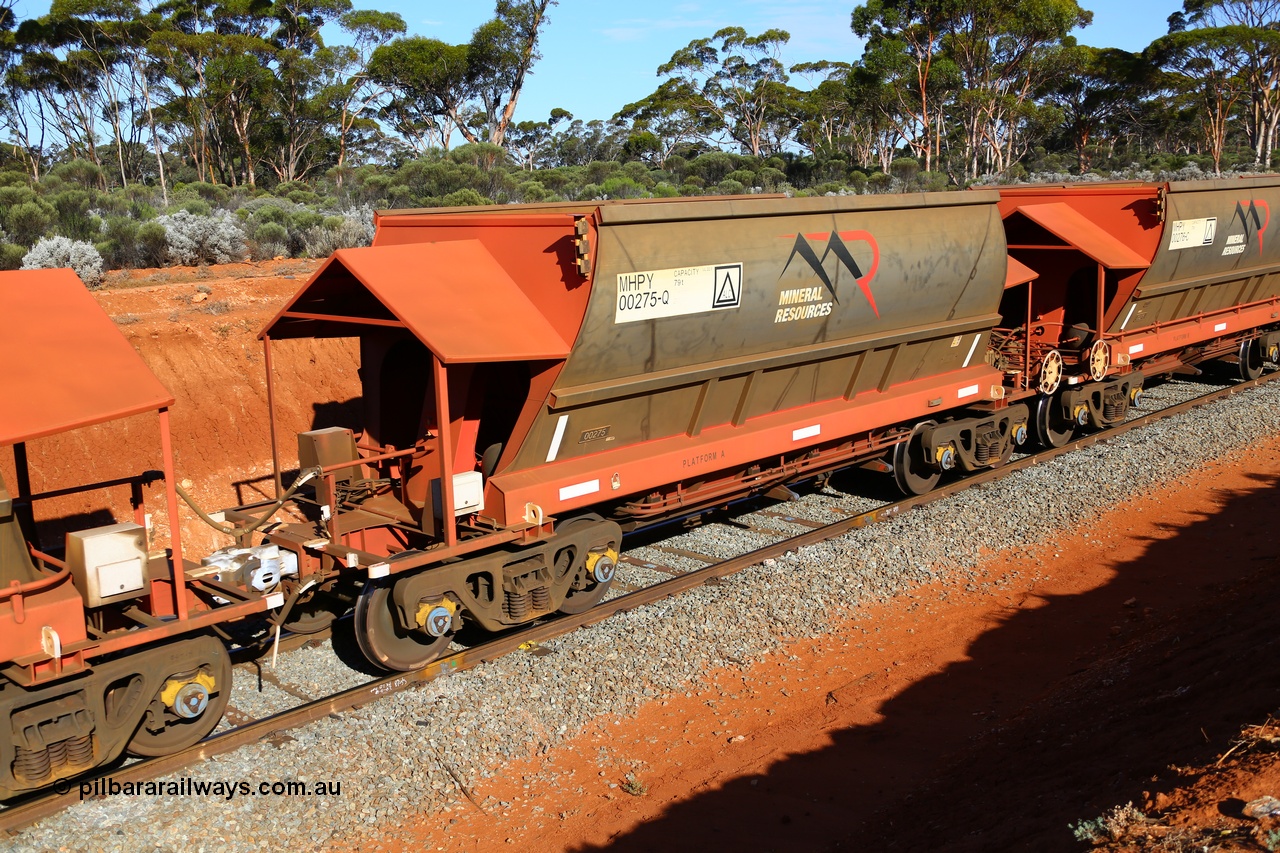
(1254, 218)
(806, 303)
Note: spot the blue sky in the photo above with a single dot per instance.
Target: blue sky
(598, 56)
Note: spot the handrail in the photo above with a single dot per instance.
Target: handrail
(31, 587)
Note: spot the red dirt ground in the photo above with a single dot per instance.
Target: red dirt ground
(1067, 681)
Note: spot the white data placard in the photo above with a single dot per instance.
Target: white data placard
(1189, 233)
(650, 294)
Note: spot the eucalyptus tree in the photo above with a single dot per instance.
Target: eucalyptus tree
(1096, 87)
(1204, 64)
(436, 88)
(903, 70)
(672, 117)
(65, 68)
(428, 90)
(1256, 30)
(738, 80)
(500, 55)
(1004, 52)
(304, 66)
(353, 92)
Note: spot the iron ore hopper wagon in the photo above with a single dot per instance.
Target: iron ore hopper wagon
(535, 383)
(539, 380)
(104, 642)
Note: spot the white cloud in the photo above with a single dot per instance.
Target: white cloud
(637, 29)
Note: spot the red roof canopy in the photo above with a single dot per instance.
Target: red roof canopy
(453, 296)
(63, 362)
(1016, 272)
(1071, 226)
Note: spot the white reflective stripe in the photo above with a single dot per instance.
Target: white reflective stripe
(379, 570)
(967, 391)
(1220, 327)
(274, 600)
(973, 346)
(577, 490)
(1127, 316)
(806, 432)
(555, 439)
(1136, 348)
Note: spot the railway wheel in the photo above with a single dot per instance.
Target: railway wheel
(1250, 359)
(188, 705)
(387, 643)
(1052, 429)
(314, 612)
(911, 469)
(594, 576)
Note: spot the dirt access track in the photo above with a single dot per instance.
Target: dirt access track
(1111, 669)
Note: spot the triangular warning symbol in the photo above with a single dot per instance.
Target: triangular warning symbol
(728, 291)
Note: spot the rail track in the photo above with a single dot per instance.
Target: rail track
(26, 811)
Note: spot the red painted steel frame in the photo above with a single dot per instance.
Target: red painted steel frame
(1180, 334)
(667, 460)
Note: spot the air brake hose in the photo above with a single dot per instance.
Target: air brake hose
(244, 531)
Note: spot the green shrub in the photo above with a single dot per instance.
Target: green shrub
(27, 222)
(713, 167)
(215, 193)
(271, 232)
(465, 197)
(119, 248)
(622, 187)
(904, 168)
(268, 212)
(152, 244)
(770, 178)
(301, 220)
(197, 207)
(273, 243)
(73, 219)
(11, 256)
(82, 173)
(533, 191)
(879, 182)
(17, 194)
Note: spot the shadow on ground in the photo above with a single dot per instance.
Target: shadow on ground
(1064, 708)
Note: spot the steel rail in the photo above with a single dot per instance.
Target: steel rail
(66, 792)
